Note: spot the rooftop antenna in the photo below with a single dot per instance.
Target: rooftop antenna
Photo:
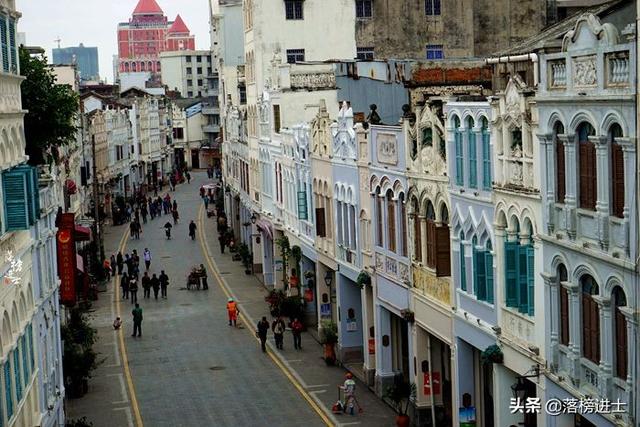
(58, 40)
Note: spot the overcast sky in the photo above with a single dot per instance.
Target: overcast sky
(94, 22)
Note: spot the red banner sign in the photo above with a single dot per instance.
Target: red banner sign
(428, 386)
(67, 260)
(372, 346)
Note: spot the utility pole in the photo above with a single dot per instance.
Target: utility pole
(96, 206)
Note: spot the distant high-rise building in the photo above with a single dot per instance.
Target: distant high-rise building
(146, 35)
(85, 58)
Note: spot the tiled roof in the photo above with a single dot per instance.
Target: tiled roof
(147, 7)
(179, 26)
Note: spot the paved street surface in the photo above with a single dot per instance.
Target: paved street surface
(190, 368)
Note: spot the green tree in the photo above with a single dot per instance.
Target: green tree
(52, 110)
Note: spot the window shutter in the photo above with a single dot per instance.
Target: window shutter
(586, 326)
(621, 344)
(8, 388)
(561, 189)
(486, 160)
(443, 251)
(417, 236)
(5, 44)
(473, 160)
(530, 279)
(588, 194)
(511, 271)
(564, 316)
(479, 273)
(391, 224)
(320, 224)
(431, 243)
(488, 264)
(459, 159)
(522, 289)
(16, 205)
(617, 164)
(463, 269)
(379, 219)
(302, 205)
(595, 331)
(12, 45)
(33, 194)
(16, 371)
(403, 228)
(25, 365)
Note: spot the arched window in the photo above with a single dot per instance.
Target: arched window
(473, 158)
(352, 225)
(561, 189)
(617, 172)
(519, 269)
(126, 67)
(486, 155)
(431, 235)
(391, 221)
(620, 329)
(482, 271)
(590, 320)
(463, 266)
(564, 305)
(443, 245)
(339, 223)
(403, 225)
(459, 151)
(379, 217)
(143, 66)
(587, 167)
(134, 67)
(417, 231)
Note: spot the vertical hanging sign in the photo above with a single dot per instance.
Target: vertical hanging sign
(67, 259)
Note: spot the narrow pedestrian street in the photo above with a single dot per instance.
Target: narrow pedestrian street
(189, 368)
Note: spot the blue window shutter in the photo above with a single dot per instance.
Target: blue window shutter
(486, 161)
(35, 196)
(523, 280)
(463, 269)
(25, 365)
(488, 264)
(473, 160)
(8, 388)
(4, 42)
(31, 353)
(480, 275)
(459, 159)
(16, 370)
(16, 205)
(302, 205)
(12, 45)
(511, 272)
(530, 278)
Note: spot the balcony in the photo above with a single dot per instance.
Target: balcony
(346, 255)
(210, 110)
(211, 129)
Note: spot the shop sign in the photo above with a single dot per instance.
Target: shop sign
(428, 386)
(325, 310)
(372, 346)
(67, 260)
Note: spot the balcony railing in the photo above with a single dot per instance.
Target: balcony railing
(211, 129)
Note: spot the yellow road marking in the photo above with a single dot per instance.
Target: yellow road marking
(320, 411)
(123, 349)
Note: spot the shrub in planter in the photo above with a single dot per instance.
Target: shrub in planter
(292, 308)
(274, 298)
(363, 279)
(492, 354)
(79, 358)
(400, 395)
(329, 338)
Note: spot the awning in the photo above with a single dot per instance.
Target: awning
(81, 233)
(79, 263)
(72, 188)
(265, 227)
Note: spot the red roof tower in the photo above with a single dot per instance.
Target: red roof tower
(179, 27)
(148, 7)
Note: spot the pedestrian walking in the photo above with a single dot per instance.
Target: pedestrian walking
(192, 230)
(175, 205)
(278, 327)
(137, 320)
(202, 192)
(232, 312)
(137, 215)
(205, 199)
(146, 285)
(296, 329)
(263, 328)
(155, 284)
(106, 266)
(222, 240)
(188, 175)
(164, 283)
(144, 212)
(120, 262)
(124, 284)
(203, 277)
(133, 289)
(349, 389)
(114, 265)
(132, 229)
(136, 262)
(175, 216)
(130, 265)
(147, 258)
(128, 213)
(172, 181)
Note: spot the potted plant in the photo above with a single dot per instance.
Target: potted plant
(79, 358)
(274, 298)
(363, 279)
(328, 339)
(400, 395)
(245, 257)
(309, 274)
(492, 354)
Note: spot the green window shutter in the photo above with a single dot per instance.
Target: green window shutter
(8, 388)
(486, 161)
(530, 279)
(25, 365)
(459, 158)
(523, 280)
(16, 205)
(4, 43)
(35, 197)
(463, 269)
(302, 205)
(511, 273)
(488, 264)
(473, 160)
(480, 275)
(31, 353)
(16, 370)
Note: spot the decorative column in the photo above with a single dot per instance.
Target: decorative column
(603, 179)
(499, 278)
(570, 198)
(423, 238)
(548, 174)
(551, 299)
(605, 381)
(575, 332)
(629, 158)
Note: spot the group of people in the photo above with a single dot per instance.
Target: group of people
(129, 278)
(278, 327)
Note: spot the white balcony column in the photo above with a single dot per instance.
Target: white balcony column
(571, 179)
(605, 382)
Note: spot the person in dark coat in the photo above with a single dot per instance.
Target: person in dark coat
(278, 327)
(263, 329)
(146, 285)
(143, 212)
(120, 262)
(155, 284)
(203, 277)
(188, 175)
(223, 241)
(114, 265)
(164, 283)
(133, 289)
(124, 284)
(137, 320)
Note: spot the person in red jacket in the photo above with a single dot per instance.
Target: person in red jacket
(296, 329)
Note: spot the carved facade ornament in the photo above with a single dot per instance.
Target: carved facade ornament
(264, 111)
(516, 173)
(364, 180)
(512, 99)
(344, 137)
(313, 81)
(589, 32)
(584, 71)
(387, 144)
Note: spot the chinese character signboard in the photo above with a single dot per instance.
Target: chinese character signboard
(67, 260)
(428, 386)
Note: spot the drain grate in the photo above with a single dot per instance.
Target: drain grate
(225, 272)
(217, 368)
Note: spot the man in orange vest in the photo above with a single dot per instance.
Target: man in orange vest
(232, 311)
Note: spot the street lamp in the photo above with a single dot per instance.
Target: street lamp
(253, 218)
(328, 278)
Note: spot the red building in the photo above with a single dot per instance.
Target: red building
(146, 35)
